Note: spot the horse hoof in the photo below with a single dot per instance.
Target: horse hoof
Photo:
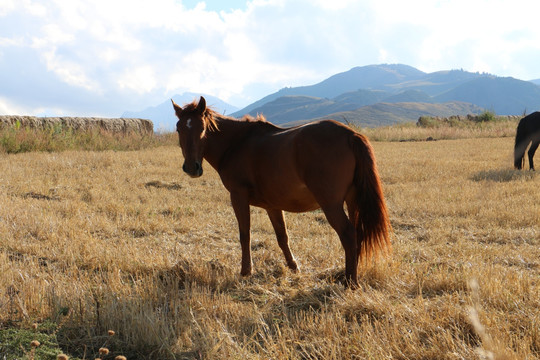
(245, 272)
(352, 284)
(293, 266)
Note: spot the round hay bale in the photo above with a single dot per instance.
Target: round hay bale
(113, 125)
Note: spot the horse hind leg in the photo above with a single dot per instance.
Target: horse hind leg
(531, 152)
(352, 210)
(347, 235)
(278, 222)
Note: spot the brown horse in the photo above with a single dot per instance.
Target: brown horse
(319, 165)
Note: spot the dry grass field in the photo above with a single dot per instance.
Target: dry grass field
(124, 241)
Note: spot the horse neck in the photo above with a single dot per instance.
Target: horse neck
(218, 141)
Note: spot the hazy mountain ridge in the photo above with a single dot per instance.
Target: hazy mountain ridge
(503, 95)
(163, 116)
(384, 114)
(371, 77)
(390, 93)
(474, 92)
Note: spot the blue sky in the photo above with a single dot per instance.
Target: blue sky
(104, 57)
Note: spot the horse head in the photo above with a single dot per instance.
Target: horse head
(191, 128)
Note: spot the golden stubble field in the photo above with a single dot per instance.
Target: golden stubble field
(124, 241)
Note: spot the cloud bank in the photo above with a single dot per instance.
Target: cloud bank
(102, 57)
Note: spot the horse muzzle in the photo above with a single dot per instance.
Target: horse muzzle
(194, 170)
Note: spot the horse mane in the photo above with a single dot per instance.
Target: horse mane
(212, 118)
(258, 118)
(208, 116)
(259, 122)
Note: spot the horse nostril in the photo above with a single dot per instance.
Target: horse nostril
(194, 170)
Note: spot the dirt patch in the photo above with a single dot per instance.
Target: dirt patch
(163, 185)
(38, 196)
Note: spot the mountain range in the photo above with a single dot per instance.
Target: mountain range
(378, 95)
(163, 116)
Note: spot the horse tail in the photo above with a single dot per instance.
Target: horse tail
(522, 141)
(370, 215)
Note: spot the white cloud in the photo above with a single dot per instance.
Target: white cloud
(333, 5)
(35, 8)
(10, 42)
(140, 80)
(70, 72)
(6, 107)
(125, 52)
(480, 35)
(52, 35)
(7, 6)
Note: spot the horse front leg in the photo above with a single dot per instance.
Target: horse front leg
(278, 222)
(240, 205)
(531, 152)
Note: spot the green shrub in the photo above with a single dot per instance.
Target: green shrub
(486, 116)
(17, 343)
(427, 122)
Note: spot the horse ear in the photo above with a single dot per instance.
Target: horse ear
(177, 108)
(202, 106)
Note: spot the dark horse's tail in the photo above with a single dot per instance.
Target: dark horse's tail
(522, 141)
(371, 215)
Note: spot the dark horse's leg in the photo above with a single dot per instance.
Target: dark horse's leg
(519, 154)
(240, 205)
(278, 222)
(531, 152)
(352, 209)
(347, 234)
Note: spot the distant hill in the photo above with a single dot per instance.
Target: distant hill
(410, 96)
(362, 97)
(370, 85)
(437, 82)
(504, 96)
(383, 114)
(297, 109)
(377, 95)
(291, 108)
(163, 115)
(372, 77)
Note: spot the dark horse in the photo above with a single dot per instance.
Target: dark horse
(528, 131)
(319, 165)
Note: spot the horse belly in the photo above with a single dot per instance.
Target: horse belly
(288, 194)
(299, 199)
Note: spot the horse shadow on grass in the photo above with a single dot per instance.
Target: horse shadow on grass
(503, 175)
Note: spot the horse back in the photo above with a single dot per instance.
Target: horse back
(269, 149)
(319, 144)
(528, 129)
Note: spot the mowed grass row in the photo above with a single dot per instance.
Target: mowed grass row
(123, 241)
(19, 139)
